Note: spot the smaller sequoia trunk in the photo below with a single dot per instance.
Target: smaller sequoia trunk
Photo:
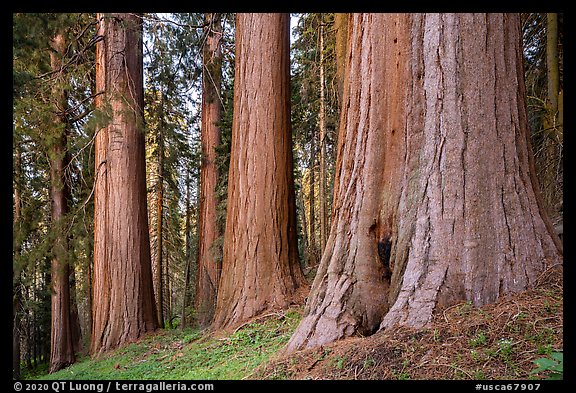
(435, 195)
(208, 270)
(123, 299)
(158, 272)
(260, 268)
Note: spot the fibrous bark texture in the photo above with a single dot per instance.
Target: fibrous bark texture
(434, 161)
(322, 126)
(260, 268)
(208, 267)
(123, 299)
(349, 292)
(479, 229)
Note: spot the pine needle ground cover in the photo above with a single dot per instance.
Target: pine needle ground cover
(518, 337)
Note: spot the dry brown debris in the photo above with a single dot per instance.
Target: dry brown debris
(497, 341)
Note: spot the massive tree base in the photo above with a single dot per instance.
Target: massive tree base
(442, 350)
(436, 200)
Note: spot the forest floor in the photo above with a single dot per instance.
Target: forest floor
(504, 340)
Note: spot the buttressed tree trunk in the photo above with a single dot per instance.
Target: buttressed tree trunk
(61, 332)
(123, 298)
(208, 269)
(260, 268)
(436, 198)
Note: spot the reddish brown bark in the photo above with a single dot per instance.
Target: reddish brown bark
(435, 193)
(260, 268)
(61, 333)
(208, 267)
(123, 299)
(322, 127)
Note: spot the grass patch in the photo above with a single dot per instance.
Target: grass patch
(189, 354)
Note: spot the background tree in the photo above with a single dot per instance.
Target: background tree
(172, 70)
(341, 27)
(121, 244)
(543, 61)
(222, 150)
(434, 219)
(260, 268)
(314, 117)
(61, 339)
(52, 104)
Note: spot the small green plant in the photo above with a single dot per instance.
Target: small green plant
(552, 365)
(401, 375)
(478, 340)
(544, 349)
(550, 308)
(475, 355)
(465, 308)
(192, 337)
(436, 335)
(338, 362)
(506, 348)
(369, 362)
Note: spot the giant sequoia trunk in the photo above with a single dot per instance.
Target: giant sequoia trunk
(435, 195)
(260, 268)
(61, 333)
(123, 299)
(208, 272)
(322, 126)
